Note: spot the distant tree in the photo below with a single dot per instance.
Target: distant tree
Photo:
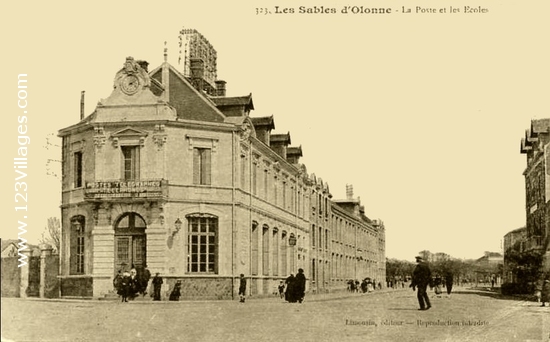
(398, 269)
(52, 234)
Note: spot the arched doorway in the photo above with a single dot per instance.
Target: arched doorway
(130, 242)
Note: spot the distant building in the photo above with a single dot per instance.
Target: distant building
(514, 242)
(10, 248)
(490, 258)
(170, 173)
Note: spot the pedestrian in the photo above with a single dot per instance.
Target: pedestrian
(125, 287)
(449, 283)
(421, 278)
(157, 284)
(437, 285)
(134, 286)
(289, 293)
(117, 282)
(545, 292)
(176, 292)
(242, 288)
(300, 286)
(281, 288)
(144, 280)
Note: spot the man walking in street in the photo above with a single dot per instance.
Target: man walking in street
(421, 279)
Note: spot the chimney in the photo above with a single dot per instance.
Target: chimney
(82, 104)
(349, 191)
(197, 73)
(220, 87)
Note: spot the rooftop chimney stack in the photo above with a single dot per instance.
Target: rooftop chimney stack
(82, 104)
(349, 191)
(220, 87)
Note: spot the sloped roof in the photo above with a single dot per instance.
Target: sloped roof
(223, 101)
(277, 138)
(264, 121)
(189, 102)
(294, 151)
(6, 243)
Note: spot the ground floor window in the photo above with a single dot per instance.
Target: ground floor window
(202, 251)
(77, 244)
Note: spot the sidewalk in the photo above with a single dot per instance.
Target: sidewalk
(338, 294)
(310, 297)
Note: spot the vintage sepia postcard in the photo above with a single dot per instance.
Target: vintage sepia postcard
(275, 170)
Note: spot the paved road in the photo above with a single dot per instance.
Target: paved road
(469, 315)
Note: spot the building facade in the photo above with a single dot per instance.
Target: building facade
(514, 243)
(536, 146)
(171, 174)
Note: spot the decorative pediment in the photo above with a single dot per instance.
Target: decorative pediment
(129, 136)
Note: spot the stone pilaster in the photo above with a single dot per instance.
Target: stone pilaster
(45, 251)
(24, 284)
(156, 248)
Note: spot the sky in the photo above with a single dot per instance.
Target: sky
(423, 113)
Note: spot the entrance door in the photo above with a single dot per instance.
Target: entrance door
(130, 242)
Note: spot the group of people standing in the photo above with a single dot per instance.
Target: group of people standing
(131, 283)
(295, 287)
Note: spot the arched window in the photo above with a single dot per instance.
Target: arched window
(265, 250)
(130, 242)
(77, 244)
(254, 248)
(202, 251)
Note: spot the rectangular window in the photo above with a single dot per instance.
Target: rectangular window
(275, 190)
(284, 195)
(243, 173)
(254, 250)
(130, 155)
(254, 179)
(275, 252)
(266, 175)
(202, 245)
(78, 169)
(284, 258)
(320, 237)
(202, 166)
(313, 235)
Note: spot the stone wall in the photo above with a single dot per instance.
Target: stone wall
(197, 288)
(76, 286)
(11, 277)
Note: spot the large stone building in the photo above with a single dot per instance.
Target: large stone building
(536, 146)
(171, 173)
